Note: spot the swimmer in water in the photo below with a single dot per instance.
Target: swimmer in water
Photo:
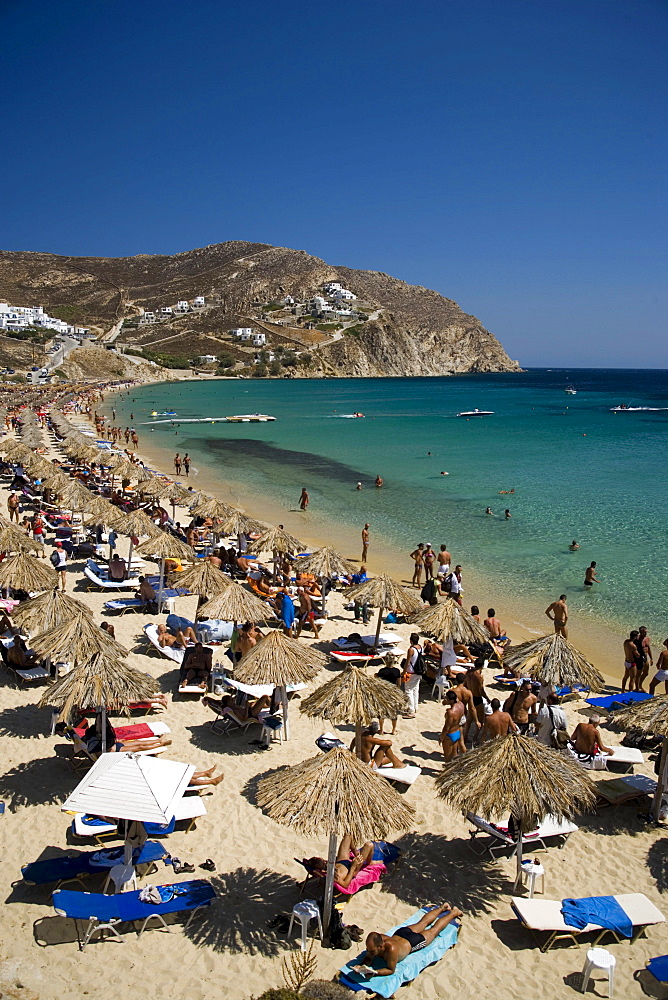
(359, 486)
(488, 510)
(379, 481)
(573, 547)
(507, 514)
(445, 473)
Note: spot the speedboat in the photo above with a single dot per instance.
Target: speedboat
(570, 390)
(476, 413)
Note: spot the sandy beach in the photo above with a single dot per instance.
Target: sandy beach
(230, 952)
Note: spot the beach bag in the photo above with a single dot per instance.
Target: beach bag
(55, 559)
(327, 743)
(419, 665)
(447, 583)
(339, 936)
(559, 737)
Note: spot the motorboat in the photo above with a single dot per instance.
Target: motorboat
(570, 390)
(476, 413)
(625, 408)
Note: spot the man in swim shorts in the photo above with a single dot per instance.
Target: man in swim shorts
(377, 750)
(451, 736)
(661, 669)
(631, 662)
(558, 614)
(590, 575)
(406, 940)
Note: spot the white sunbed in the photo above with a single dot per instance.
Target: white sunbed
(170, 652)
(190, 807)
(543, 916)
(406, 775)
(104, 583)
(500, 839)
(627, 756)
(340, 656)
(384, 639)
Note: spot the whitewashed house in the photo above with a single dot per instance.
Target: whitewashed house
(207, 359)
(318, 305)
(243, 333)
(198, 301)
(147, 318)
(332, 286)
(182, 306)
(259, 339)
(167, 311)
(344, 293)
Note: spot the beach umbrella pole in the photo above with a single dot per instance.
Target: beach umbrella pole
(520, 837)
(329, 886)
(160, 583)
(378, 625)
(286, 724)
(662, 781)
(358, 739)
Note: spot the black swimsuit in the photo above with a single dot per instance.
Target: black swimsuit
(415, 940)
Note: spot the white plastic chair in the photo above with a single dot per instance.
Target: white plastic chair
(599, 958)
(440, 686)
(124, 878)
(305, 911)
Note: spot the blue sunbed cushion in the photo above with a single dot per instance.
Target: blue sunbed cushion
(408, 969)
(177, 621)
(659, 968)
(64, 867)
(127, 906)
(602, 910)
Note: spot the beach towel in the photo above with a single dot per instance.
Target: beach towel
(602, 910)
(659, 968)
(367, 876)
(287, 613)
(408, 969)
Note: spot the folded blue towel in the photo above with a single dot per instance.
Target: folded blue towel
(602, 910)
(659, 968)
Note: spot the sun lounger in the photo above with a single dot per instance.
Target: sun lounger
(85, 827)
(99, 578)
(500, 839)
(625, 757)
(386, 639)
(406, 970)
(188, 809)
(106, 912)
(123, 604)
(170, 652)
(609, 702)
(658, 967)
(544, 917)
(403, 775)
(78, 865)
(29, 675)
(339, 656)
(621, 791)
(227, 721)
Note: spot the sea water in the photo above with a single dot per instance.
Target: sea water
(578, 470)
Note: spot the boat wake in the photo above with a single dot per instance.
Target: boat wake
(638, 409)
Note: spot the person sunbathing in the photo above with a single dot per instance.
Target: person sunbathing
(346, 869)
(198, 667)
(250, 709)
(18, 654)
(377, 750)
(587, 739)
(394, 948)
(202, 778)
(178, 640)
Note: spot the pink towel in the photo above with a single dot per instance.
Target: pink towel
(364, 877)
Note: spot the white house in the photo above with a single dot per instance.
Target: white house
(242, 332)
(259, 339)
(207, 359)
(318, 305)
(198, 301)
(332, 286)
(182, 306)
(147, 318)
(344, 293)
(166, 311)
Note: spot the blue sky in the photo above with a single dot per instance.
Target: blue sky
(510, 155)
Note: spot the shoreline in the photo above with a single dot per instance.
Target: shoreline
(523, 619)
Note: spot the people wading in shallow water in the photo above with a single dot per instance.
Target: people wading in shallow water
(304, 499)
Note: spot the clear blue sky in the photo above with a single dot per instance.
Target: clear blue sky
(510, 155)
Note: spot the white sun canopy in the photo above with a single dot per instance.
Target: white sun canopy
(126, 786)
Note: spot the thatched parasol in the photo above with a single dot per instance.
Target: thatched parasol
(56, 481)
(236, 604)
(334, 793)
(164, 546)
(276, 540)
(135, 524)
(520, 776)
(279, 660)
(77, 639)
(16, 450)
(384, 592)
(26, 572)
(353, 696)
(203, 579)
(554, 660)
(325, 563)
(448, 621)
(650, 716)
(213, 508)
(48, 611)
(109, 685)
(237, 523)
(75, 496)
(101, 511)
(12, 539)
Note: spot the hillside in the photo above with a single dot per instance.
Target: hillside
(395, 329)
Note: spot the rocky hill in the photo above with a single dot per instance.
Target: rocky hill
(399, 329)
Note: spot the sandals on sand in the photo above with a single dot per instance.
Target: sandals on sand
(209, 865)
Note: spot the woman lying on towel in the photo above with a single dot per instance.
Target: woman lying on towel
(92, 738)
(356, 868)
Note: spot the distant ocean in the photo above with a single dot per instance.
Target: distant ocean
(578, 470)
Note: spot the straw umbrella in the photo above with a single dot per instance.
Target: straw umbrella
(518, 775)
(48, 611)
(217, 510)
(384, 592)
(134, 525)
(111, 685)
(448, 621)
(279, 660)
(164, 546)
(276, 540)
(236, 604)
(26, 572)
(77, 639)
(353, 696)
(203, 579)
(325, 563)
(12, 539)
(554, 660)
(335, 793)
(650, 716)
(75, 496)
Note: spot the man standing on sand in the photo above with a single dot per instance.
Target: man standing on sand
(177, 464)
(498, 723)
(365, 542)
(13, 506)
(465, 695)
(631, 662)
(304, 499)
(444, 559)
(456, 588)
(558, 613)
(590, 575)
(520, 704)
(644, 645)
(661, 670)
(451, 736)
(474, 682)
(417, 555)
(186, 464)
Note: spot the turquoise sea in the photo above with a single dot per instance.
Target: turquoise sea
(578, 470)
